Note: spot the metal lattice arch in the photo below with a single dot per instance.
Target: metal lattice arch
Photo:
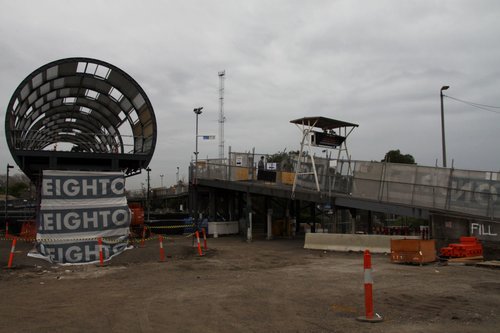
(80, 114)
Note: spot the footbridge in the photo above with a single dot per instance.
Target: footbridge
(411, 190)
(442, 194)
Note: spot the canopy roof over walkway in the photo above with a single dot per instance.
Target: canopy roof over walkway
(83, 114)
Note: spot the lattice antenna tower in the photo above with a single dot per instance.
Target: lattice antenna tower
(222, 118)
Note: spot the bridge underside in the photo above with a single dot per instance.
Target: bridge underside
(336, 200)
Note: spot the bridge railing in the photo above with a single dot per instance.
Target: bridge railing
(463, 191)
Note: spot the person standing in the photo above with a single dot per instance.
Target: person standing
(261, 163)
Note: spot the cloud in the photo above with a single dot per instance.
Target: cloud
(378, 64)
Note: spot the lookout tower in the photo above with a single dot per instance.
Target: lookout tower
(320, 132)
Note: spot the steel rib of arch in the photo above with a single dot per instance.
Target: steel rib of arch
(85, 102)
(99, 111)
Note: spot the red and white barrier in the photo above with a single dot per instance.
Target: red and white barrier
(368, 280)
(204, 239)
(162, 251)
(12, 250)
(198, 240)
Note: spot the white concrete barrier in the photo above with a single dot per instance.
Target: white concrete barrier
(222, 228)
(351, 242)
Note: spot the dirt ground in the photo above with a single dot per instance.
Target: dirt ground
(262, 286)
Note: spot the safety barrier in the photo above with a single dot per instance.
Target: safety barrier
(198, 241)
(12, 251)
(351, 242)
(22, 236)
(101, 255)
(368, 282)
(162, 251)
(102, 240)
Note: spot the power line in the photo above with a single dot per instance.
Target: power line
(476, 105)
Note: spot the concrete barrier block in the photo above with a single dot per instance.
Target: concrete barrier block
(351, 242)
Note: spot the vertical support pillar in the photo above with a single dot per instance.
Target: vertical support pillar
(370, 217)
(212, 213)
(352, 219)
(230, 207)
(249, 217)
(313, 216)
(269, 224)
(298, 220)
(287, 218)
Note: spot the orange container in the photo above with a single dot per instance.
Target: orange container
(413, 250)
(137, 216)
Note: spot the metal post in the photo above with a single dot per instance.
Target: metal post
(197, 111)
(161, 177)
(147, 197)
(7, 191)
(269, 224)
(442, 125)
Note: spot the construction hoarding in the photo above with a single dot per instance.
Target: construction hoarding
(77, 208)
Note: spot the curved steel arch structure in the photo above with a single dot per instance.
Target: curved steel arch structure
(98, 114)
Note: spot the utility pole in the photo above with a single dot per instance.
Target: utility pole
(222, 118)
(442, 124)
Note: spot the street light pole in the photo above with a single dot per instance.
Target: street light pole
(197, 111)
(147, 197)
(161, 176)
(442, 125)
(7, 191)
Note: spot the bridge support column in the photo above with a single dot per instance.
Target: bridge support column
(249, 217)
(313, 216)
(287, 219)
(369, 224)
(230, 207)
(297, 216)
(212, 210)
(269, 224)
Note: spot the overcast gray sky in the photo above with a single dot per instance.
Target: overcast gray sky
(379, 64)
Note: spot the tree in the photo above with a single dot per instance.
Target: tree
(19, 185)
(395, 156)
(284, 159)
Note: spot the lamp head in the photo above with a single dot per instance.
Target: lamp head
(445, 88)
(10, 166)
(198, 110)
